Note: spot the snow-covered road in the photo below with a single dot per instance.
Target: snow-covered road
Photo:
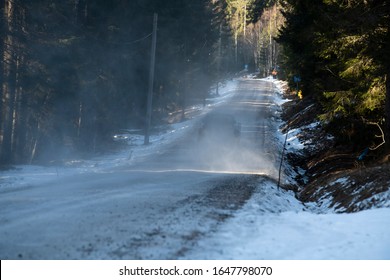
(181, 199)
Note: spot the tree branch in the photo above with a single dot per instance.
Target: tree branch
(378, 136)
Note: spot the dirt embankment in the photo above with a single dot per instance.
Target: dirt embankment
(330, 175)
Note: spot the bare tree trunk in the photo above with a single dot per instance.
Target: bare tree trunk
(387, 104)
(2, 96)
(236, 48)
(387, 110)
(35, 143)
(8, 86)
(79, 122)
(80, 12)
(244, 22)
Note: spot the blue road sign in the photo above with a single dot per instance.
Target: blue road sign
(297, 79)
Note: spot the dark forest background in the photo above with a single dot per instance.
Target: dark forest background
(341, 52)
(74, 72)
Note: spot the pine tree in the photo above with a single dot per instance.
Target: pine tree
(340, 48)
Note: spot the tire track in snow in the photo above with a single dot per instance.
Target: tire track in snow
(189, 220)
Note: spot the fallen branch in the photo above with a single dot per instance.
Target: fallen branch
(378, 136)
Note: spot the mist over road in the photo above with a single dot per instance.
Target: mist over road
(158, 206)
(252, 106)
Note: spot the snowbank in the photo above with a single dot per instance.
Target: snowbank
(282, 230)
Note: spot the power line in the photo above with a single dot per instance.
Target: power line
(133, 42)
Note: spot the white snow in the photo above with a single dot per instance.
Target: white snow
(327, 205)
(280, 87)
(341, 181)
(293, 142)
(273, 224)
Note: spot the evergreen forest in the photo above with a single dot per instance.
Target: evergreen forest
(340, 51)
(74, 72)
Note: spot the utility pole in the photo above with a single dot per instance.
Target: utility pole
(270, 43)
(244, 23)
(219, 58)
(151, 80)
